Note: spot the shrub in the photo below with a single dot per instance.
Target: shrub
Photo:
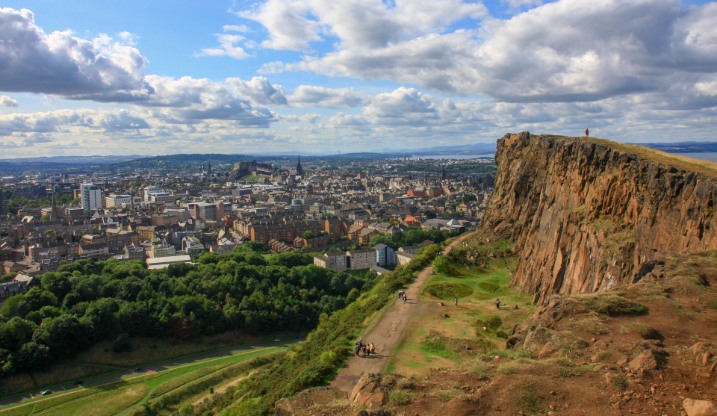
(620, 382)
(616, 306)
(400, 397)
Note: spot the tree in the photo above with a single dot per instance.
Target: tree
(33, 356)
(65, 335)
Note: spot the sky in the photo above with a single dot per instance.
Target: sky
(153, 77)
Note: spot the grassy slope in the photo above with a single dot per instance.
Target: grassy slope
(163, 391)
(450, 335)
(99, 360)
(315, 361)
(680, 162)
(596, 335)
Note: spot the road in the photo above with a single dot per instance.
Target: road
(388, 332)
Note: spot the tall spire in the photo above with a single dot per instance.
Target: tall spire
(299, 169)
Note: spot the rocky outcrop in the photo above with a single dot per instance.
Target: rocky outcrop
(368, 392)
(589, 215)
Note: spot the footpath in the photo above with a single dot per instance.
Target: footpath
(388, 332)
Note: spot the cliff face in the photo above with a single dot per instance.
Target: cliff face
(588, 215)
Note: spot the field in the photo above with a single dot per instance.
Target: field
(162, 387)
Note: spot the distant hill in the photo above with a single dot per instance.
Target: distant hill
(58, 163)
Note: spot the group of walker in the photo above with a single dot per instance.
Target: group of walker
(366, 349)
(402, 295)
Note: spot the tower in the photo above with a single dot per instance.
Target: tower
(299, 169)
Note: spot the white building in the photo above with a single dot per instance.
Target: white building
(91, 197)
(118, 201)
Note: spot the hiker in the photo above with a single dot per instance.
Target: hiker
(455, 300)
(497, 303)
(357, 349)
(372, 349)
(587, 132)
(405, 298)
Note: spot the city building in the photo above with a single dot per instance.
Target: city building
(91, 197)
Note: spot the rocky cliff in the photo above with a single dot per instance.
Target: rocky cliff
(589, 215)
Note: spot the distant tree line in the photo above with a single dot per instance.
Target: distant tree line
(87, 301)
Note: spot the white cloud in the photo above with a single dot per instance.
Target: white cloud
(6, 101)
(563, 51)
(65, 121)
(286, 21)
(315, 96)
(60, 63)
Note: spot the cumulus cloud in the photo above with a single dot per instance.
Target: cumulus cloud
(62, 121)
(562, 51)
(6, 101)
(61, 63)
(295, 24)
(286, 22)
(229, 43)
(315, 96)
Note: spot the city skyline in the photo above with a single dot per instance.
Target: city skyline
(316, 76)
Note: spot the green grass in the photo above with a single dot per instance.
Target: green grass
(400, 397)
(449, 290)
(435, 345)
(130, 393)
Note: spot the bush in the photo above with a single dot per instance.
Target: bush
(616, 306)
(400, 397)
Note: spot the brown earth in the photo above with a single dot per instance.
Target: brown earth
(591, 355)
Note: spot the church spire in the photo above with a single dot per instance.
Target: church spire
(299, 169)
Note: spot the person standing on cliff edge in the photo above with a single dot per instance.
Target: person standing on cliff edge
(587, 132)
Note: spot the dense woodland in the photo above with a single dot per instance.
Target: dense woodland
(87, 301)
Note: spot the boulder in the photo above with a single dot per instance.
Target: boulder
(646, 361)
(368, 391)
(543, 341)
(695, 407)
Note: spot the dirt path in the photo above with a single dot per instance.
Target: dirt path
(388, 331)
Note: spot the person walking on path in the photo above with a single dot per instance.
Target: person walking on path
(455, 300)
(497, 303)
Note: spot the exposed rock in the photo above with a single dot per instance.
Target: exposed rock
(589, 216)
(543, 341)
(646, 361)
(368, 391)
(296, 405)
(699, 407)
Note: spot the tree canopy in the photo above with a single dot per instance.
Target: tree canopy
(88, 301)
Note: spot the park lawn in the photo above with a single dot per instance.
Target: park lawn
(101, 360)
(128, 394)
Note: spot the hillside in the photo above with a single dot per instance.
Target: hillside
(647, 349)
(590, 215)
(604, 257)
